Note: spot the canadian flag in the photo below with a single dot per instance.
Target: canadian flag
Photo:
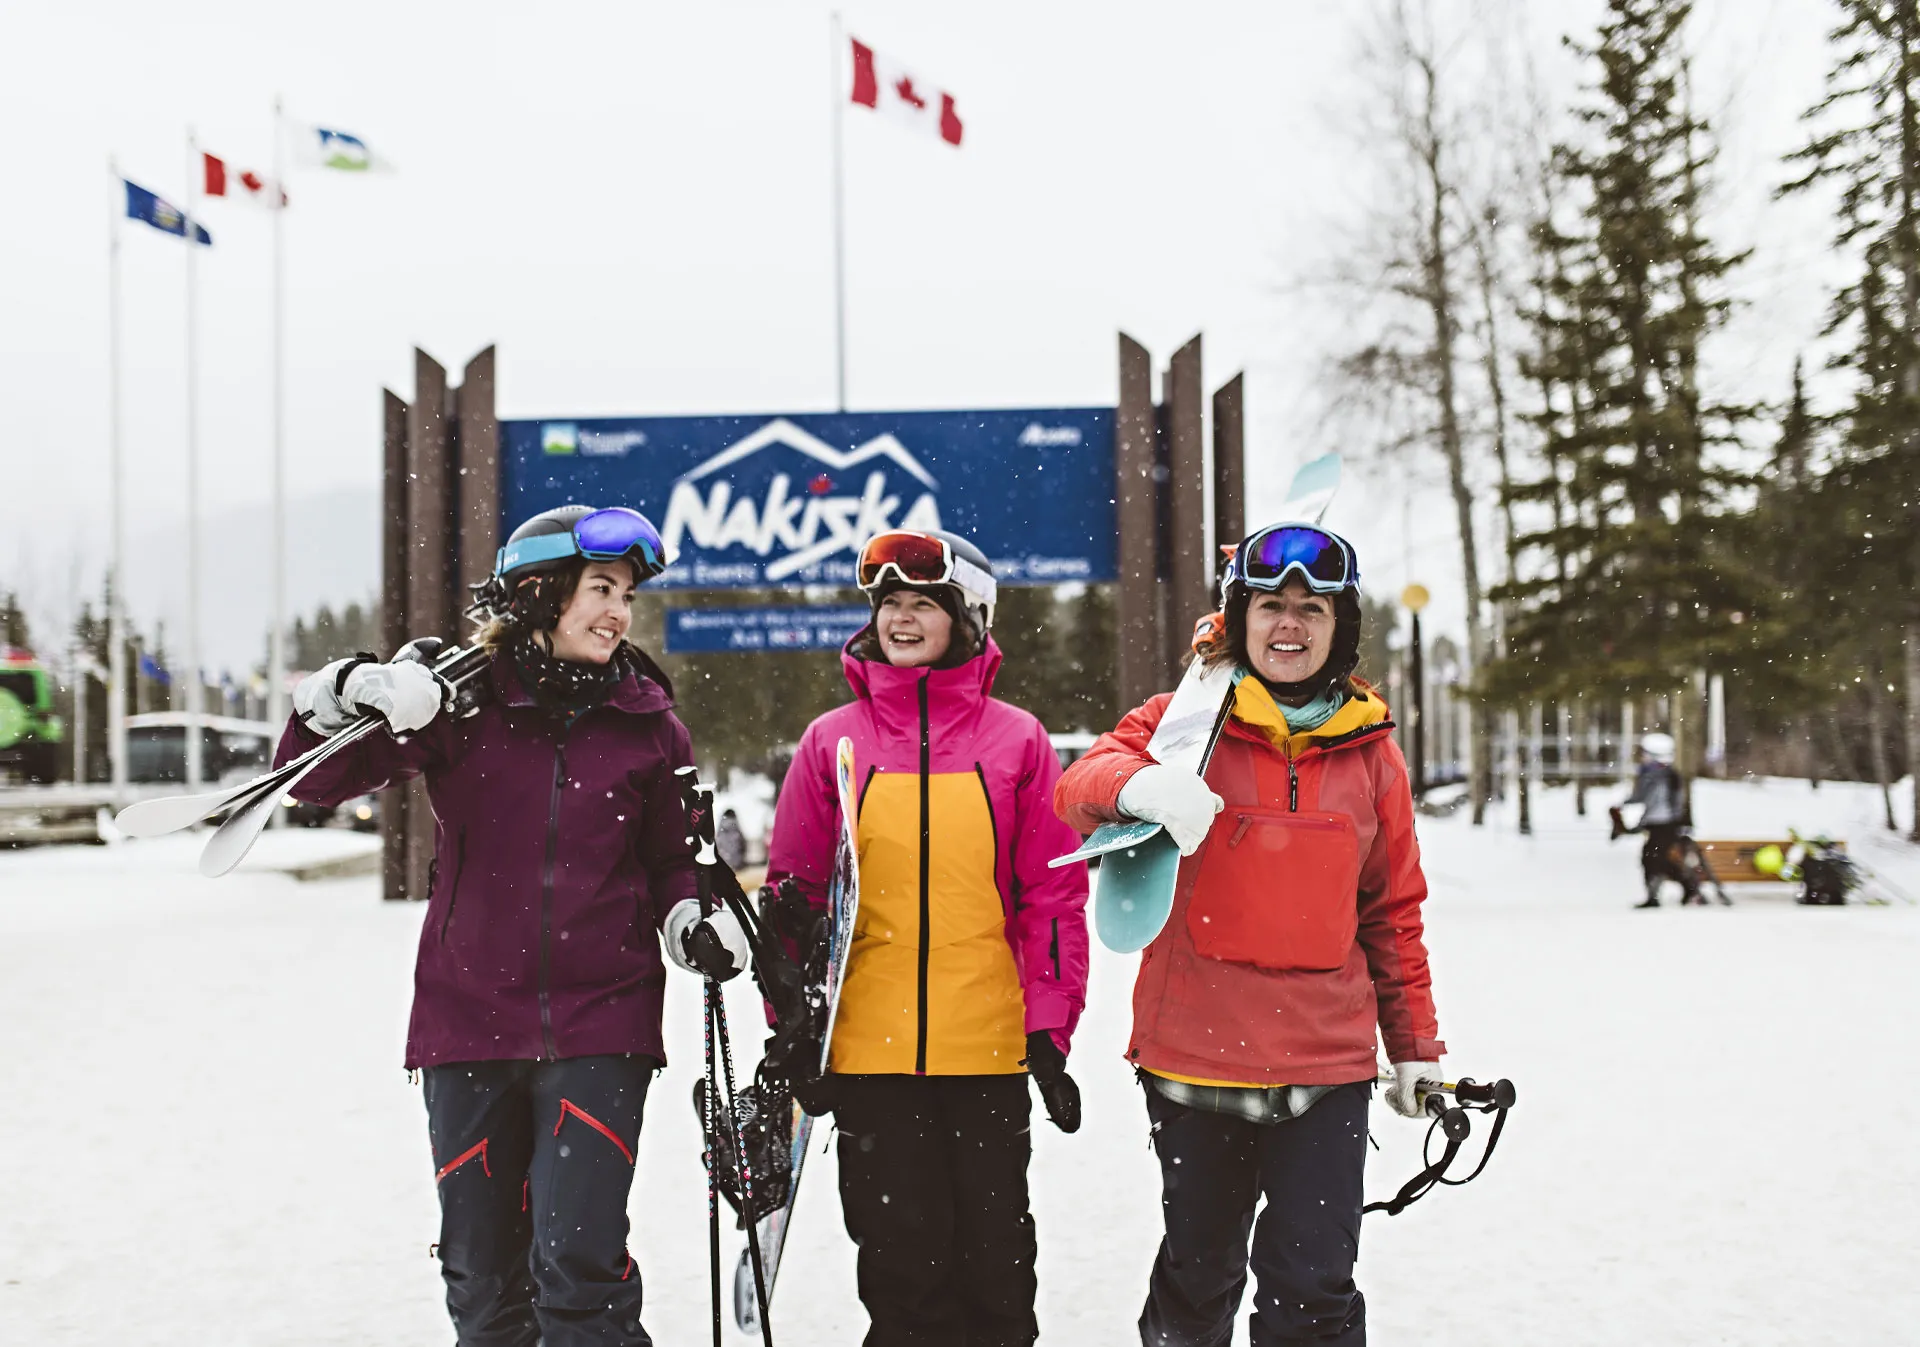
(889, 88)
(240, 184)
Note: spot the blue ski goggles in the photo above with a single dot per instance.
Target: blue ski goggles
(1324, 561)
(613, 534)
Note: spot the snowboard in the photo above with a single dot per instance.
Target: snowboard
(843, 905)
(1140, 863)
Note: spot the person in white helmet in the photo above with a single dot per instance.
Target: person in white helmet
(1661, 791)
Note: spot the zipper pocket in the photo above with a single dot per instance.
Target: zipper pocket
(1246, 822)
(453, 887)
(1054, 949)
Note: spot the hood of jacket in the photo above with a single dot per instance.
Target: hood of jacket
(892, 694)
(1257, 716)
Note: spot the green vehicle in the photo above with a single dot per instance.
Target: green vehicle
(30, 733)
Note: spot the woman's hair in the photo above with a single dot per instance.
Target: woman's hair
(1227, 644)
(503, 629)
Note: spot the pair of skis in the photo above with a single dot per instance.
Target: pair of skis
(1139, 861)
(843, 906)
(733, 1125)
(249, 807)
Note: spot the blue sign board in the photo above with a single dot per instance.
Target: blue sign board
(768, 501)
(700, 631)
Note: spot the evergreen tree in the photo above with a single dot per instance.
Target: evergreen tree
(1869, 146)
(1628, 583)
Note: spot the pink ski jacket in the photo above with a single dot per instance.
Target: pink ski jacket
(955, 829)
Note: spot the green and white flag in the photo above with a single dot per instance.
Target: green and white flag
(321, 147)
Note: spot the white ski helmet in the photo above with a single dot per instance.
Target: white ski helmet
(1658, 746)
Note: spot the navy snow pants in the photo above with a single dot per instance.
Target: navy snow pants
(533, 1161)
(933, 1186)
(1214, 1169)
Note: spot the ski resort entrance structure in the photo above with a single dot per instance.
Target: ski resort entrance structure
(1136, 495)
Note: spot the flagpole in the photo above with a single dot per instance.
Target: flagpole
(192, 652)
(116, 634)
(276, 648)
(839, 225)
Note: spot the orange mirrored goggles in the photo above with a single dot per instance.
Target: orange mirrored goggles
(914, 559)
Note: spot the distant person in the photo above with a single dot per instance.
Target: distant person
(561, 847)
(1662, 794)
(729, 841)
(969, 962)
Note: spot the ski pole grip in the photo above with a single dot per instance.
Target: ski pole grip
(1494, 1094)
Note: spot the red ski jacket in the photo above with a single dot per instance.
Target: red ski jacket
(1296, 926)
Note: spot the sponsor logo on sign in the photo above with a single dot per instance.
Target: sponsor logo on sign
(559, 437)
(818, 504)
(610, 443)
(1037, 436)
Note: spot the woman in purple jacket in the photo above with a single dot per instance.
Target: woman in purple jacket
(559, 849)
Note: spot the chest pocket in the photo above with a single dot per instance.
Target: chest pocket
(1277, 889)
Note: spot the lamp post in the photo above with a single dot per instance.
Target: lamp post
(1414, 598)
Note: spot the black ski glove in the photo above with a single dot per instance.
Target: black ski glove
(1048, 1067)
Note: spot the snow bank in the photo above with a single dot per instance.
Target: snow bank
(209, 1139)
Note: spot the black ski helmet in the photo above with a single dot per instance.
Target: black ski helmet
(526, 575)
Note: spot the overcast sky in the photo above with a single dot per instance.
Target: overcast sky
(633, 202)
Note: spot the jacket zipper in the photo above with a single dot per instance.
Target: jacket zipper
(453, 890)
(1054, 949)
(926, 857)
(1293, 787)
(546, 894)
(993, 826)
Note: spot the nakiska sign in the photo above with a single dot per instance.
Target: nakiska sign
(780, 500)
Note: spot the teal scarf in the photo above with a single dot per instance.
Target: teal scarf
(1315, 713)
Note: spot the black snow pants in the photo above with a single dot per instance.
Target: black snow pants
(1657, 860)
(533, 1161)
(933, 1186)
(1214, 1169)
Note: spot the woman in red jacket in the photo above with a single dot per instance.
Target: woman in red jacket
(1295, 928)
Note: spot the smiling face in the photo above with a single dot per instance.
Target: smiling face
(914, 631)
(1289, 633)
(596, 618)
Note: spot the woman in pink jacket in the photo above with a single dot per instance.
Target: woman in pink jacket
(969, 962)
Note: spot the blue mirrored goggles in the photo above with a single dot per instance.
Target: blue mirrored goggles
(613, 534)
(1323, 561)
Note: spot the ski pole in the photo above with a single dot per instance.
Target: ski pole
(699, 801)
(1452, 1120)
(709, 1126)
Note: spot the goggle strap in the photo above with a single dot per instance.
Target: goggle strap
(970, 577)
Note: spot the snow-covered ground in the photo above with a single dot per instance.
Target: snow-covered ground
(206, 1137)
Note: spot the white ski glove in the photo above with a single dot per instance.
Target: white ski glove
(1402, 1096)
(407, 694)
(1178, 801)
(713, 946)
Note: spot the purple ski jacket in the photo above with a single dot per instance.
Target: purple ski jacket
(558, 851)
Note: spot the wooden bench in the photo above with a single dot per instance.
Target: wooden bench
(1732, 861)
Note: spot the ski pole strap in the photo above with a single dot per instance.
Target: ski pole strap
(1496, 1097)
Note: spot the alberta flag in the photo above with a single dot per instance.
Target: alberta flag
(321, 147)
(154, 209)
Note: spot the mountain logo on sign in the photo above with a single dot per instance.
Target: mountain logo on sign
(795, 527)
